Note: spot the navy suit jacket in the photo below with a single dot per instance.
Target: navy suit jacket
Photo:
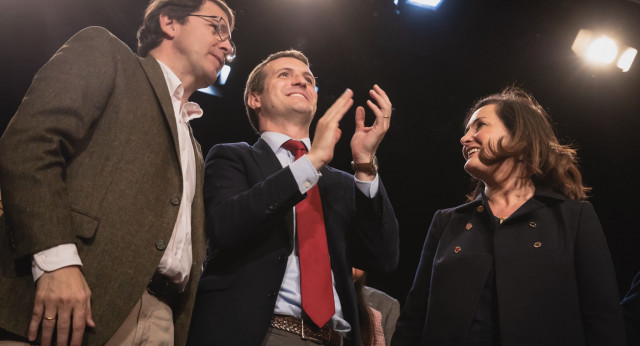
(248, 204)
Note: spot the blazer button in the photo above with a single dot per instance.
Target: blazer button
(273, 206)
(480, 209)
(468, 226)
(175, 200)
(532, 224)
(161, 245)
(272, 295)
(282, 258)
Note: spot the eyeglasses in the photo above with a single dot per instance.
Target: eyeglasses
(220, 28)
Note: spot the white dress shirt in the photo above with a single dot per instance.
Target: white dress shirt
(289, 298)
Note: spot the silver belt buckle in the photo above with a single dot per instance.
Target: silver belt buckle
(305, 337)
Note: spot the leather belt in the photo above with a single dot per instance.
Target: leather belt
(307, 330)
(164, 289)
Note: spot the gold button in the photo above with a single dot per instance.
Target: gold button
(480, 209)
(457, 249)
(468, 226)
(532, 224)
(537, 244)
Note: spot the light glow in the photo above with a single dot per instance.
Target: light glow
(224, 74)
(425, 3)
(626, 59)
(211, 90)
(602, 50)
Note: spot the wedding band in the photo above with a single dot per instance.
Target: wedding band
(49, 318)
(386, 116)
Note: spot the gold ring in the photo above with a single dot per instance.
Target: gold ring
(386, 116)
(49, 318)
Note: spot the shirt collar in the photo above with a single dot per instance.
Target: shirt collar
(275, 140)
(190, 110)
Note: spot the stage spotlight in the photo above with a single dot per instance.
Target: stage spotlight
(425, 3)
(626, 59)
(602, 50)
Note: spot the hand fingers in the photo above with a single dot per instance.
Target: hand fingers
(82, 318)
(383, 107)
(359, 117)
(64, 322)
(36, 317)
(89, 318)
(78, 328)
(49, 320)
(62, 296)
(339, 107)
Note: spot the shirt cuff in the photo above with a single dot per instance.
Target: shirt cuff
(54, 258)
(368, 188)
(304, 173)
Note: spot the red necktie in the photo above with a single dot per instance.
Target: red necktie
(315, 270)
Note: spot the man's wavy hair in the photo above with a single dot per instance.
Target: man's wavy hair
(255, 82)
(150, 34)
(532, 142)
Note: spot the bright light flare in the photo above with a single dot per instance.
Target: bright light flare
(425, 3)
(626, 59)
(224, 74)
(602, 50)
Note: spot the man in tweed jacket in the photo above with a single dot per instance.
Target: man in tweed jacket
(102, 180)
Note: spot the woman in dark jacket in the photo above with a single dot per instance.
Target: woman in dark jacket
(525, 261)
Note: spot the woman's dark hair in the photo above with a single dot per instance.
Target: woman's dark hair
(532, 142)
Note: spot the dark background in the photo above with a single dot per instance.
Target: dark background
(433, 65)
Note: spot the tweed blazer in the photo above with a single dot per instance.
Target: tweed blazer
(249, 201)
(92, 158)
(554, 276)
(388, 307)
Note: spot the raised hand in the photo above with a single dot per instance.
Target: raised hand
(328, 131)
(365, 140)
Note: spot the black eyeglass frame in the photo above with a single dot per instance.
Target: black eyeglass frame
(229, 57)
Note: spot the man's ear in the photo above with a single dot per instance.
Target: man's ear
(254, 100)
(167, 25)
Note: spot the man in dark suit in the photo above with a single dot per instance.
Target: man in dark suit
(101, 180)
(254, 285)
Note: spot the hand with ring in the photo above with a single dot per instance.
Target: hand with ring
(62, 306)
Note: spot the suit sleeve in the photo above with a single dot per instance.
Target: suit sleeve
(596, 280)
(412, 319)
(238, 211)
(376, 237)
(51, 127)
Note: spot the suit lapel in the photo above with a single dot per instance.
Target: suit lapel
(269, 164)
(159, 84)
(267, 161)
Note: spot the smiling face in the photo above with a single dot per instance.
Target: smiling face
(199, 47)
(289, 92)
(483, 131)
